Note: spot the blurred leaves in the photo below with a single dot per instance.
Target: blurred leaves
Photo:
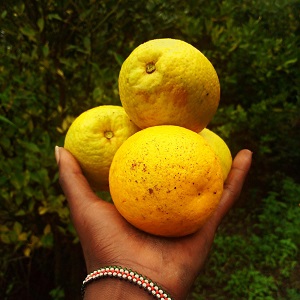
(60, 58)
(258, 259)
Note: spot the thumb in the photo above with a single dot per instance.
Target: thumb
(73, 183)
(234, 184)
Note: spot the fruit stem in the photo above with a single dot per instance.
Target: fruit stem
(108, 134)
(150, 67)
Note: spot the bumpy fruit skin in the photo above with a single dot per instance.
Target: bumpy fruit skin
(93, 139)
(169, 82)
(221, 149)
(166, 180)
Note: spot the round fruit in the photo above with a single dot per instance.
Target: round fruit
(166, 180)
(94, 137)
(169, 82)
(221, 149)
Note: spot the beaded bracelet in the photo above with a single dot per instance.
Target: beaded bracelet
(129, 275)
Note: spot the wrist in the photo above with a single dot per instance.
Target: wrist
(109, 288)
(125, 275)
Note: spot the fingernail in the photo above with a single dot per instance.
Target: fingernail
(57, 154)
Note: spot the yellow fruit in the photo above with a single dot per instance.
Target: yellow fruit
(94, 137)
(221, 149)
(169, 82)
(166, 180)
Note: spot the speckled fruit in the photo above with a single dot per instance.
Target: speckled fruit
(166, 180)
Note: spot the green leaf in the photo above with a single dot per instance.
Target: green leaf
(47, 240)
(40, 24)
(32, 147)
(45, 50)
(42, 210)
(119, 58)
(5, 238)
(19, 8)
(3, 14)
(54, 16)
(290, 62)
(17, 228)
(29, 32)
(20, 213)
(5, 120)
(85, 14)
(17, 180)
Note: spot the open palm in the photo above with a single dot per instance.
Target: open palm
(108, 239)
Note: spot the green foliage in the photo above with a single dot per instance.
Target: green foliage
(59, 58)
(258, 260)
(57, 294)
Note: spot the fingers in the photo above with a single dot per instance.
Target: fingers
(73, 183)
(233, 184)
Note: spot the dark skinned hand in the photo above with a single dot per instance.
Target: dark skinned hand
(108, 239)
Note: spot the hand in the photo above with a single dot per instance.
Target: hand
(108, 239)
